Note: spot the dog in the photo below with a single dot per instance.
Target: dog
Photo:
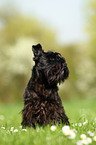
(42, 104)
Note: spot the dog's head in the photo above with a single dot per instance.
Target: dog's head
(50, 64)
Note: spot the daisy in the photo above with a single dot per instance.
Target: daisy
(11, 128)
(66, 130)
(3, 127)
(75, 124)
(24, 129)
(94, 138)
(74, 130)
(20, 127)
(89, 140)
(72, 134)
(15, 130)
(66, 127)
(83, 136)
(53, 127)
(84, 141)
(79, 142)
(84, 123)
(90, 133)
(80, 124)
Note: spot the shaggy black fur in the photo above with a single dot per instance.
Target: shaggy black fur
(42, 104)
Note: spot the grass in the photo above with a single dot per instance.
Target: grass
(77, 110)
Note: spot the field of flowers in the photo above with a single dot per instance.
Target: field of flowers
(82, 131)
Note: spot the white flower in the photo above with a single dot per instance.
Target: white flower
(74, 130)
(79, 142)
(20, 127)
(89, 140)
(72, 134)
(15, 130)
(84, 141)
(3, 127)
(90, 133)
(24, 129)
(94, 138)
(80, 124)
(75, 124)
(84, 123)
(11, 128)
(53, 127)
(66, 130)
(83, 136)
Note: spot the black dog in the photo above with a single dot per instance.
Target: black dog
(42, 104)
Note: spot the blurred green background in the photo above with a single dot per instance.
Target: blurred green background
(19, 31)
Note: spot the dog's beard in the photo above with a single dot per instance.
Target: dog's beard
(63, 75)
(55, 76)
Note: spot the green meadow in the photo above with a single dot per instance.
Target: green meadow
(78, 112)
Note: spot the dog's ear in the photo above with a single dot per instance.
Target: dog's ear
(37, 50)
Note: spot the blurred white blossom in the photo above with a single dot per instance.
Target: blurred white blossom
(11, 128)
(3, 127)
(84, 123)
(86, 76)
(72, 134)
(53, 127)
(89, 140)
(94, 138)
(24, 129)
(68, 132)
(80, 124)
(15, 130)
(19, 58)
(82, 136)
(90, 133)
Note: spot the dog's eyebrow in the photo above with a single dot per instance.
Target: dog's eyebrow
(57, 53)
(49, 52)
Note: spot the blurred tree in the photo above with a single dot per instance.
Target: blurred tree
(15, 25)
(17, 34)
(91, 25)
(89, 81)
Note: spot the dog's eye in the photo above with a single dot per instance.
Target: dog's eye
(58, 57)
